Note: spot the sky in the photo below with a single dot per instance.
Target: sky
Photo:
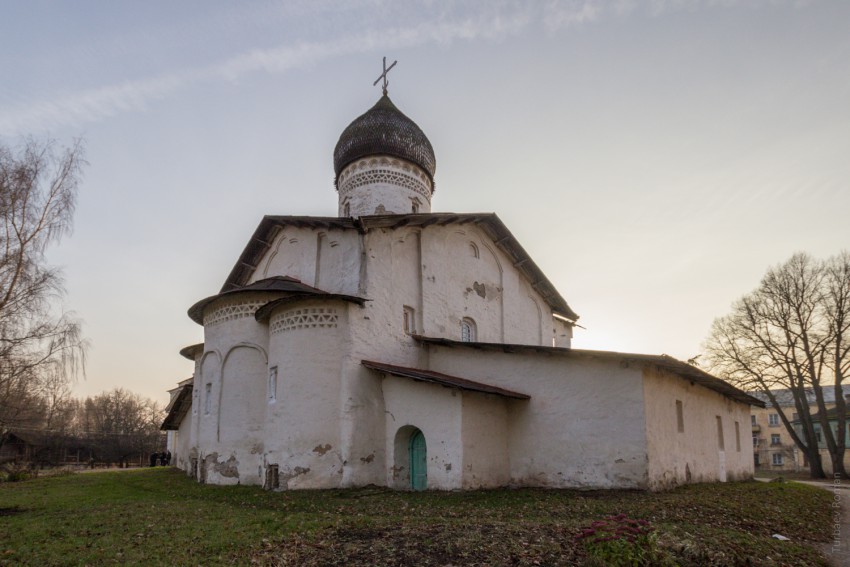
(654, 157)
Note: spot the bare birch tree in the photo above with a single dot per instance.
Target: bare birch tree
(38, 342)
(792, 333)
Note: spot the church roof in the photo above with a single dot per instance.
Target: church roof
(384, 130)
(178, 407)
(191, 351)
(442, 379)
(492, 226)
(275, 284)
(662, 361)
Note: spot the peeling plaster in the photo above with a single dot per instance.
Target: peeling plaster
(322, 449)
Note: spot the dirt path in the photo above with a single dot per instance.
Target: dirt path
(838, 550)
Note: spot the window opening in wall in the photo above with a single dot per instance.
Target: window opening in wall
(720, 444)
(473, 250)
(775, 439)
(208, 398)
(680, 416)
(753, 420)
(737, 437)
(773, 419)
(272, 389)
(272, 477)
(467, 330)
(409, 320)
(777, 459)
(346, 209)
(755, 440)
(756, 460)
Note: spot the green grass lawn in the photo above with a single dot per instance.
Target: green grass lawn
(159, 516)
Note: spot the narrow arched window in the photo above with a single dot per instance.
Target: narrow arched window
(467, 330)
(346, 210)
(473, 250)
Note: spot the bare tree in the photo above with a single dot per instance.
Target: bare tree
(120, 425)
(38, 343)
(792, 333)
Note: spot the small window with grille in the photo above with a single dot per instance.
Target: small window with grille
(468, 332)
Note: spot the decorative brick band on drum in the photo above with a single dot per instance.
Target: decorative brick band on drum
(231, 311)
(306, 318)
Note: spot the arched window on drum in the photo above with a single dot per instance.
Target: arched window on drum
(468, 331)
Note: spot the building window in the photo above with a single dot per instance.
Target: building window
(720, 443)
(777, 459)
(467, 330)
(680, 417)
(774, 439)
(409, 320)
(208, 398)
(195, 401)
(773, 419)
(346, 209)
(737, 437)
(756, 459)
(753, 420)
(755, 440)
(473, 250)
(272, 390)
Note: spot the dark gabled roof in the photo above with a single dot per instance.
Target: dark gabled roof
(492, 226)
(178, 407)
(277, 284)
(662, 361)
(442, 379)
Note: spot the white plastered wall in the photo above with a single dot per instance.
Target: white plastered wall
(485, 440)
(383, 185)
(326, 259)
(434, 410)
(582, 427)
(235, 365)
(694, 454)
(302, 427)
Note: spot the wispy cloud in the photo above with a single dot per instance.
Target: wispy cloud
(78, 108)
(498, 21)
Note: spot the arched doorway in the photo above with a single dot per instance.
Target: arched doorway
(418, 461)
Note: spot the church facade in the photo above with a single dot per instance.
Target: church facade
(395, 346)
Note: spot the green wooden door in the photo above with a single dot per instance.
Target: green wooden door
(418, 462)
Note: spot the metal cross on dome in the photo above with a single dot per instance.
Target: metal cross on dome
(384, 75)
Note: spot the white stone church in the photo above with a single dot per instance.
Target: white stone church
(394, 346)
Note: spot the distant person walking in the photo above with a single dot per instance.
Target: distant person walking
(162, 459)
(154, 457)
(168, 458)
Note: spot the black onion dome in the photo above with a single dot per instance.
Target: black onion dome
(384, 129)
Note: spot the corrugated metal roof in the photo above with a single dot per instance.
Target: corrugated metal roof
(684, 370)
(276, 284)
(177, 408)
(442, 379)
